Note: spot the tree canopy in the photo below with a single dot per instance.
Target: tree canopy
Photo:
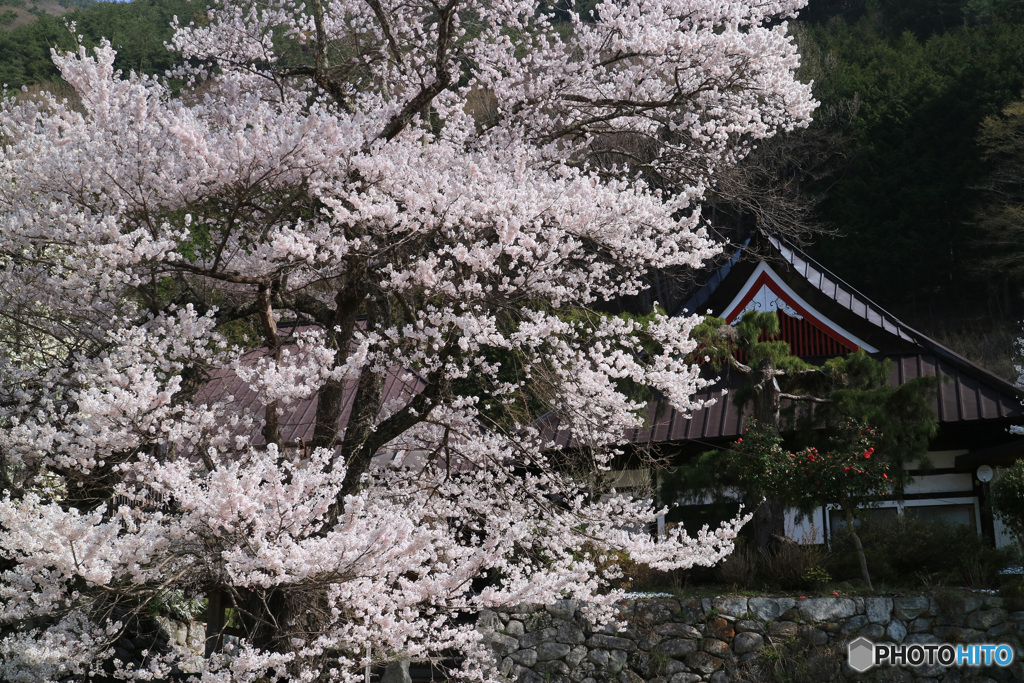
(435, 193)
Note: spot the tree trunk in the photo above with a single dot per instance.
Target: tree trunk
(770, 518)
(769, 522)
(860, 548)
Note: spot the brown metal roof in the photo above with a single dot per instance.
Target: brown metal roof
(962, 397)
(967, 393)
(298, 418)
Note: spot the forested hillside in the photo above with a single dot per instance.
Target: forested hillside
(136, 29)
(914, 201)
(912, 164)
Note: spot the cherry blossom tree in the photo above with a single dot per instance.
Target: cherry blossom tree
(445, 191)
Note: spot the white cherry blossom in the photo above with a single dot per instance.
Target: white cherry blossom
(290, 334)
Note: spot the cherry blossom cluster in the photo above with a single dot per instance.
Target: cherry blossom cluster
(286, 337)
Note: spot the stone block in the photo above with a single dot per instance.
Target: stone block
(501, 644)
(992, 601)
(535, 638)
(769, 609)
(674, 666)
(744, 625)
(656, 611)
(814, 636)
(922, 639)
(826, 609)
(910, 608)
(998, 631)
(554, 666)
(677, 630)
(628, 676)
(616, 661)
(514, 628)
(703, 662)
(929, 671)
(488, 619)
(957, 634)
(524, 657)
(920, 625)
(833, 627)
(730, 607)
(878, 610)
(684, 678)
(972, 603)
(873, 631)
(891, 674)
(570, 634)
(647, 641)
(506, 666)
(747, 641)
(561, 609)
(677, 647)
(611, 642)
(986, 619)
(576, 656)
(720, 628)
(549, 650)
(854, 624)
(716, 647)
(896, 630)
(396, 672)
(783, 630)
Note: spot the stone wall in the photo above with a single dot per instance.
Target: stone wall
(668, 640)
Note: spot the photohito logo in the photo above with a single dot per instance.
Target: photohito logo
(864, 654)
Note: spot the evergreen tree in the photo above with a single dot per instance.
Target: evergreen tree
(824, 399)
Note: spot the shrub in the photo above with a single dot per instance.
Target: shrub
(791, 566)
(739, 568)
(910, 552)
(1012, 593)
(1008, 500)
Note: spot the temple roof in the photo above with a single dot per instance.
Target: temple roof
(821, 316)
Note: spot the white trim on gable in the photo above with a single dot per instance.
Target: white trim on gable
(767, 298)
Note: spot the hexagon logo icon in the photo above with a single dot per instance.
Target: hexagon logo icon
(862, 654)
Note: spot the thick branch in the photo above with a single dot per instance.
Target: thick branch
(358, 458)
(340, 331)
(806, 398)
(385, 27)
(442, 77)
(321, 73)
(271, 426)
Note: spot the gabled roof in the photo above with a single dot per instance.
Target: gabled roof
(821, 316)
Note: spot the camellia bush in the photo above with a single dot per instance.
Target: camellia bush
(443, 194)
(846, 474)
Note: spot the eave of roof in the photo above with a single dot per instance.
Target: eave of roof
(297, 418)
(967, 392)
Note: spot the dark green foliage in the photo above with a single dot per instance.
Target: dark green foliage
(1008, 500)
(1001, 218)
(844, 471)
(857, 387)
(137, 29)
(919, 553)
(923, 79)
